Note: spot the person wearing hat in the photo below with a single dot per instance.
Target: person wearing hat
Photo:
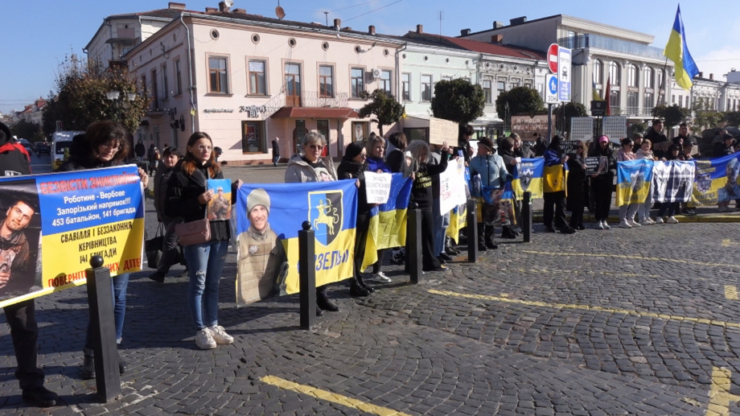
(262, 263)
(603, 183)
(492, 170)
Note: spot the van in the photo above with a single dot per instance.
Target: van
(61, 141)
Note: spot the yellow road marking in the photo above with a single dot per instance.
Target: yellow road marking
(633, 257)
(720, 396)
(587, 308)
(583, 272)
(728, 243)
(730, 292)
(331, 397)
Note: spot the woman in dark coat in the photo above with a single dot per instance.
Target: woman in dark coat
(602, 185)
(577, 196)
(506, 151)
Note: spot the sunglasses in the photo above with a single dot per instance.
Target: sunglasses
(316, 146)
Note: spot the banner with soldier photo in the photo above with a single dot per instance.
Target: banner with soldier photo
(633, 181)
(673, 181)
(717, 180)
(269, 217)
(52, 225)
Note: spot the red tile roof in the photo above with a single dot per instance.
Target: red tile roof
(315, 112)
(496, 49)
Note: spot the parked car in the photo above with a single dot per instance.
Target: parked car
(42, 148)
(61, 141)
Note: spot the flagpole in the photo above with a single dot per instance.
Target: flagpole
(665, 76)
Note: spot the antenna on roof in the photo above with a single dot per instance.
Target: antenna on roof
(440, 26)
(279, 12)
(327, 18)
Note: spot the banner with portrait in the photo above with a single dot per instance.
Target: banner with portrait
(269, 217)
(673, 181)
(528, 177)
(717, 180)
(633, 181)
(388, 221)
(52, 225)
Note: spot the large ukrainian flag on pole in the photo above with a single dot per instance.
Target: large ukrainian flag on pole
(677, 51)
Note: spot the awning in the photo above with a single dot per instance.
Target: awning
(316, 112)
(486, 120)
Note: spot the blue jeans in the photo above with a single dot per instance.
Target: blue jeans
(205, 264)
(670, 208)
(119, 287)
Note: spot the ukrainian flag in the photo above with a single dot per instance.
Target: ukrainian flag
(528, 177)
(556, 178)
(677, 51)
(633, 181)
(717, 180)
(388, 221)
(595, 95)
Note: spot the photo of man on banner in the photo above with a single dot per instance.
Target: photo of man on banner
(20, 230)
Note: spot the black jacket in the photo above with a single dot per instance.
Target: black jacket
(422, 191)
(721, 150)
(14, 159)
(140, 149)
(608, 153)
(577, 196)
(396, 160)
(508, 156)
(354, 170)
(656, 138)
(275, 149)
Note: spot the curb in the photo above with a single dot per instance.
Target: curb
(680, 218)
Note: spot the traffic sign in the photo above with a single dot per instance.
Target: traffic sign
(551, 89)
(552, 58)
(564, 58)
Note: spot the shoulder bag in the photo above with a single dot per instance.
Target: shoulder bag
(194, 232)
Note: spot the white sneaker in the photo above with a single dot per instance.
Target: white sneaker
(606, 225)
(204, 340)
(601, 225)
(382, 277)
(659, 220)
(633, 223)
(624, 224)
(672, 220)
(647, 221)
(220, 336)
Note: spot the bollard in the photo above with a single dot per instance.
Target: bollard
(472, 219)
(307, 275)
(413, 245)
(100, 301)
(527, 217)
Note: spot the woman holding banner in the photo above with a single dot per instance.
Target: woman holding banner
(603, 183)
(104, 144)
(375, 163)
(627, 212)
(554, 190)
(188, 198)
(311, 167)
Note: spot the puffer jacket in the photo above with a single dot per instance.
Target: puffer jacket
(491, 168)
(160, 191)
(299, 171)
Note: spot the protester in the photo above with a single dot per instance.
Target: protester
(602, 184)
(554, 157)
(643, 211)
(577, 197)
(104, 144)
(140, 151)
(540, 147)
(275, 151)
(506, 151)
(311, 167)
(721, 149)
(687, 208)
(637, 138)
(397, 159)
(519, 149)
(187, 198)
(627, 212)
(422, 195)
(667, 210)
(376, 149)
(170, 249)
(493, 174)
(441, 221)
(466, 133)
(151, 157)
(656, 136)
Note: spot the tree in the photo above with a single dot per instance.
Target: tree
(458, 100)
(671, 115)
(385, 107)
(566, 112)
(705, 118)
(27, 130)
(80, 97)
(636, 128)
(521, 100)
(732, 118)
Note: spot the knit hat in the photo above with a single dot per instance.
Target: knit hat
(603, 139)
(5, 134)
(258, 197)
(486, 142)
(354, 149)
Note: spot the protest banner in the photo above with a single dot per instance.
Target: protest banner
(377, 187)
(597, 165)
(527, 125)
(528, 177)
(55, 223)
(717, 180)
(219, 208)
(442, 131)
(673, 181)
(452, 186)
(633, 181)
(269, 217)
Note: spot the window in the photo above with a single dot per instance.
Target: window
(614, 74)
(326, 81)
(516, 82)
(501, 86)
(633, 102)
(673, 99)
(632, 76)
(648, 102)
(165, 82)
(218, 77)
(598, 72)
(178, 77)
(426, 88)
(680, 100)
(385, 81)
(358, 83)
(257, 84)
(571, 39)
(293, 85)
(155, 92)
(660, 79)
(406, 86)
(144, 91)
(488, 91)
(253, 137)
(649, 76)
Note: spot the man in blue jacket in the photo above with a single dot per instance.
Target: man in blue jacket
(492, 170)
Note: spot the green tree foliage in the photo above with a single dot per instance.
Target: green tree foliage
(80, 97)
(636, 128)
(522, 100)
(732, 118)
(564, 113)
(458, 100)
(385, 107)
(27, 130)
(672, 115)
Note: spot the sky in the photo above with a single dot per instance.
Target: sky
(37, 36)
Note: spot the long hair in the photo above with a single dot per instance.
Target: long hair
(190, 163)
(107, 132)
(416, 148)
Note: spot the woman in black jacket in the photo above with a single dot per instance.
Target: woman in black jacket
(396, 158)
(170, 249)
(188, 197)
(506, 151)
(602, 185)
(576, 199)
(103, 145)
(353, 166)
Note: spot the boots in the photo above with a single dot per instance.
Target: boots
(449, 249)
(356, 290)
(361, 281)
(323, 302)
(489, 238)
(481, 238)
(88, 365)
(507, 232)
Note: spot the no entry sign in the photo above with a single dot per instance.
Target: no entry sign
(552, 58)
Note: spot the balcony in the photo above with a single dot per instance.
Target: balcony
(314, 99)
(611, 44)
(632, 111)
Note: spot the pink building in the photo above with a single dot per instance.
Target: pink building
(250, 79)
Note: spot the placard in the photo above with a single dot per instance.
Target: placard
(452, 186)
(441, 131)
(377, 187)
(597, 165)
(525, 126)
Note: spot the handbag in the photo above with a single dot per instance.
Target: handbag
(194, 232)
(153, 247)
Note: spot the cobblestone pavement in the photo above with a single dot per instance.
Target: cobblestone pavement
(598, 323)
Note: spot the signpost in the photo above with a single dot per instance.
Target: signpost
(564, 75)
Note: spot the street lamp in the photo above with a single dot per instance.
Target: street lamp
(125, 97)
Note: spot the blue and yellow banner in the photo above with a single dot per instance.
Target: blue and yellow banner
(52, 225)
(388, 221)
(528, 176)
(717, 180)
(556, 178)
(269, 217)
(633, 181)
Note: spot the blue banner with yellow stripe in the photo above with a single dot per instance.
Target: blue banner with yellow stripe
(388, 221)
(633, 181)
(269, 217)
(528, 177)
(52, 225)
(717, 180)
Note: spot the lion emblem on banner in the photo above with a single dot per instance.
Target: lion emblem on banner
(326, 215)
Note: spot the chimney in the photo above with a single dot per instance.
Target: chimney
(497, 39)
(711, 76)
(419, 28)
(465, 32)
(210, 10)
(518, 20)
(176, 6)
(222, 7)
(371, 29)
(498, 25)
(240, 11)
(337, 23)
(701, 74)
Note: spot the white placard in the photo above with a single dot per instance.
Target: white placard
(452, 186)
(441, 131)
(377, 187)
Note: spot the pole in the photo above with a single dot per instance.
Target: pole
(472, 228)
(307, 275)
(527, 216)
(549, 123)
(414, 243)
(105, 349)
